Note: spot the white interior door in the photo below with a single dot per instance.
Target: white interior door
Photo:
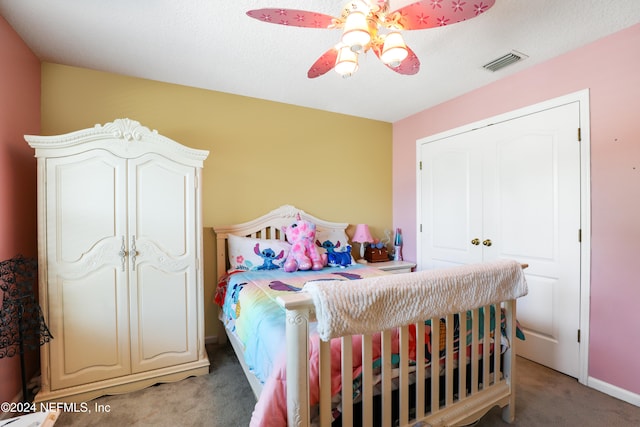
(512, 190)
(452, 192)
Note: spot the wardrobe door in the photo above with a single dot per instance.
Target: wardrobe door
(87, 286)
(162, 263)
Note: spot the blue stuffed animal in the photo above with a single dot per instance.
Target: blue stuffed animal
(335, 258)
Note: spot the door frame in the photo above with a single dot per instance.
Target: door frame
(582, 97)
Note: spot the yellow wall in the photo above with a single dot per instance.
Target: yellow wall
(262, 154)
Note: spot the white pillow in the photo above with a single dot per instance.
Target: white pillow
(242, 253)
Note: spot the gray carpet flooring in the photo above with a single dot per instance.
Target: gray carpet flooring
(224, 399)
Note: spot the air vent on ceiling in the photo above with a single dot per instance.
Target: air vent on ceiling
(508, 59)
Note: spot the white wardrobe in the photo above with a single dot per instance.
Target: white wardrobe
(120, 260)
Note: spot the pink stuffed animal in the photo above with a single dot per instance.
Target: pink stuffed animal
(303, 254)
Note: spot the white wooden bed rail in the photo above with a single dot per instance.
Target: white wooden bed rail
(486, 389)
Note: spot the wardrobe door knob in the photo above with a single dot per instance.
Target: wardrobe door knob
(487, 242)
(475, 242)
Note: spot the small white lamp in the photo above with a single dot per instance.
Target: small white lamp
(394, 50)
(356, 31)
(362, 235)
(346, 62)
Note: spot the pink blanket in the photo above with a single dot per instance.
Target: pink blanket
(271, 409)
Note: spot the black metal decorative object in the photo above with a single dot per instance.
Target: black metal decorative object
(22, 326)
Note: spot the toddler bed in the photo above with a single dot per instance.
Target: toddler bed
(359, 346)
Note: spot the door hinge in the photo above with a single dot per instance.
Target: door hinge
(579, 134)
(421, 228)
(579, 235)
(578, 335)
(420, 164)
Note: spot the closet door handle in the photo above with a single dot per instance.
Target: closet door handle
(475, 242)
(123, 253)
(487, 242)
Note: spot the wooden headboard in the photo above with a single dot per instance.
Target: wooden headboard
(268, 226)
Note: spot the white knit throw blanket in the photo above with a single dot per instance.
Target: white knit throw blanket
(379, 303)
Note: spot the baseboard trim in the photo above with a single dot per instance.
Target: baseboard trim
(614, 391)
(6, 414)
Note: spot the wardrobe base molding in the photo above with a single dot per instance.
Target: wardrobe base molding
(134, 382)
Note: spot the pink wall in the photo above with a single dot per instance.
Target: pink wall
(19, 115)
(610, 68)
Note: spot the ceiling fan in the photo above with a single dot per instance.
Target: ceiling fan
(369, 25)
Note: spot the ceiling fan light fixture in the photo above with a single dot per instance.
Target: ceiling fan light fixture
(394, 50)
(372, 25)
(346, 62)
(356, 31)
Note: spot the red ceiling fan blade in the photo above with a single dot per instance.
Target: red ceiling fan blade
(409, 66)
(325, 63)
(292, 17)
(436, 13)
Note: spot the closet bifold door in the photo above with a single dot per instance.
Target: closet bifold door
(451, 202)
(87, 280)
(162, 263)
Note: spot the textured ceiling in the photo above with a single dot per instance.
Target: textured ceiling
(214, 45)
